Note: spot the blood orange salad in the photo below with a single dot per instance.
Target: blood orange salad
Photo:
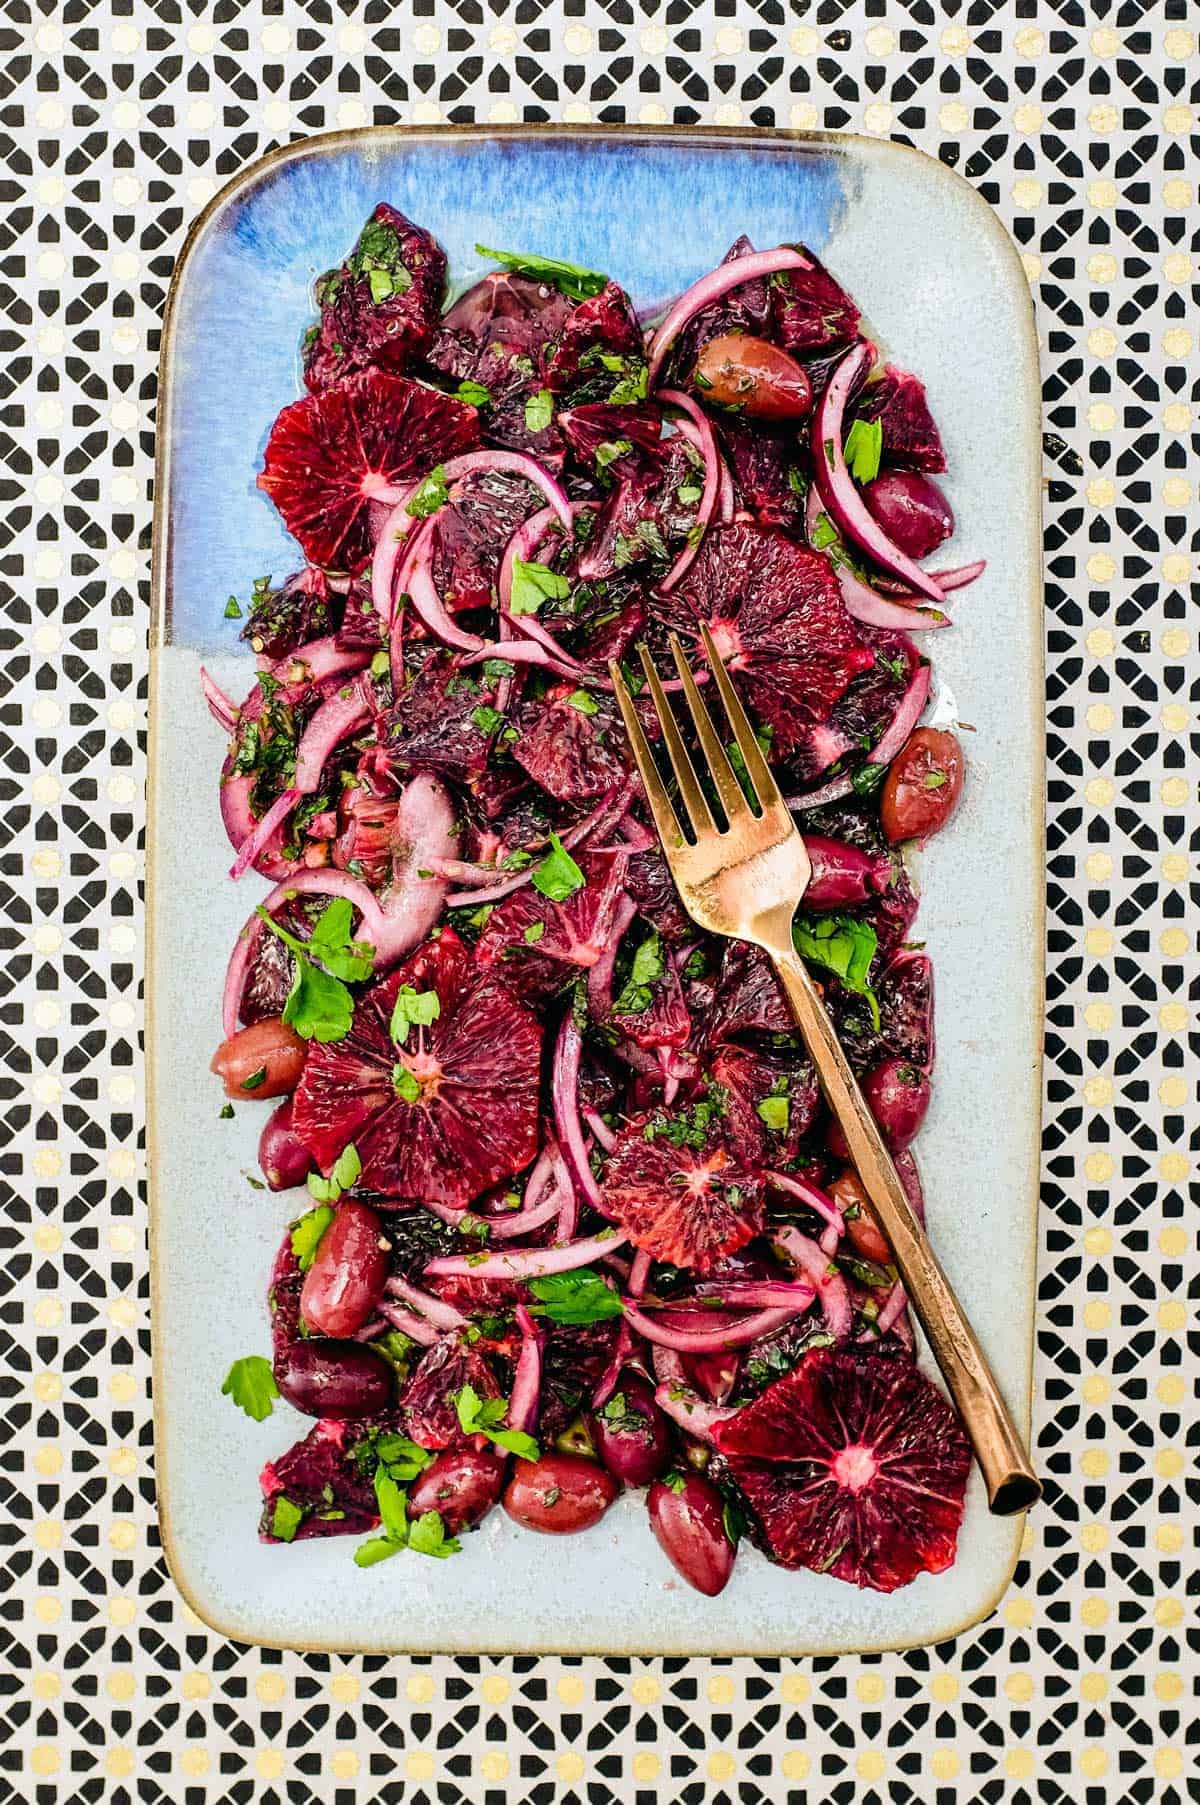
(577, 1219)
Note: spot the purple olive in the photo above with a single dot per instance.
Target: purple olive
(912, 511)
(559, 1494)
(283, 1158)
(631, 1433)
(687, 1514)
(899, 1097)
(841, 874)
(462, 1484)
(325, 1377)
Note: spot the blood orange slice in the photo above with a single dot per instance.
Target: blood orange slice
(330, 453)
(777, 615)
(676, 1188)
(855, 1465)
(447, 1111)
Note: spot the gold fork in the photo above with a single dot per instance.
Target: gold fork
(744, 881)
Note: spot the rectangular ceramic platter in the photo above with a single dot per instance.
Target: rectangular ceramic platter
(946, 296)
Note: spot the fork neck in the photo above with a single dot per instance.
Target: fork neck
(773, 930)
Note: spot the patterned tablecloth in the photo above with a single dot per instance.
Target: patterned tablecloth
(1076, 123)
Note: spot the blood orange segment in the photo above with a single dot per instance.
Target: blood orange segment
(677, 1189)
(464, 1113)
(328, 454)
(910, 435)
(426, 1404)
(854, 1465)
(777, 615)
(540, 945)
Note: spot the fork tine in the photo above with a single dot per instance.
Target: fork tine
(758, 770)
(720, 769)
(694, 799)
(669, 830)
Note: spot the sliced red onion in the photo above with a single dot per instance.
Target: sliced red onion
(317, 661)
(264, 831)
(875, 610)
(531, 651)
(833, 791)
(599, 980)
(958, 578)
(335, 720)
(564, 1089)
(812, 1196)
(392, 534)
(527, 1262)
(527, 1377)
(893, 1309)
(441, 1314)
(707, 446)
(838, 490)
(222, 710)
(710, 288)
(905, 718)
(677, 1398)
(568, 1197)
(714, 1341)
(533, 629)
(599, 1129)
(815, 1264)
(523, 1222)
(416, 581)
(743, 1294)
(415, 1327)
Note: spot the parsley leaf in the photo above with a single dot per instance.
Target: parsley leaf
(473, 393)
(587, 704)
(233, 609)
(251, 1385)
(647, 968)
(486, 718)
(775, 1111)
(406, 1086)
(688, 493)
(307, 1232)
(331, 944)
(533, 584)
(379, 1548)
(824, 533)
(609, 449)
(347, 1168)
(534, 932)
(569, 278)
(539, 411)
(867, 778)
(391, 1502)
(575, 1298)
(318, 1007)
(429, 495)
(428, 1536)
(404, 1459)
(862, 449)
(841, 945)
(558, 876)
(413, 1009)
(480, 1416)
(286, 1518)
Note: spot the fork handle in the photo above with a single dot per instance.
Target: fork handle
(1012, 1485)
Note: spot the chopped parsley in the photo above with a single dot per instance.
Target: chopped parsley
(862, 449)
(407, 1087)
(558, 876)
(842, 945)
(824, 533)
(251, 1385)
(473, 393)
(609, 450)
(534, 932)
(429, 495)
(286, 1518)
(486, 1416)
(233, 609)
(867, 778)
(486, 718)
(413, 1009)
(570, 279)
(318, 1005)
(587, 704)
(347, 1169)
(649, 964)
(539, 411)
(575, 1298)
(533, 584)
(307, 1232)
(775, 1110)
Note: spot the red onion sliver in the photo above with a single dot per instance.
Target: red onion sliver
(599, 1129)
(264, 829)
(441, 1314)
(524, 1222)
(415, 1327)
(392, 533)
(809, 1194)
(565, 1095)
(528, 1262)
(814, 1263)
(712, 481)
(416, 581)
(316, 661)
(958, 578)
(222, 710)
(839, 492)
(894, 1307)
(335, 720)
(905, 718)
(714, 1341)
(527, 1377)
(710, 288)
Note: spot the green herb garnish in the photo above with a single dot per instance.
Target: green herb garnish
(570, 279)
(539, 411)
(533, 584)
(413, 1009)
(558, 876)
(485, 1416)
(251, 1384)
(863, 448)
(575, 1298)
(347, 1169)
(843, 946)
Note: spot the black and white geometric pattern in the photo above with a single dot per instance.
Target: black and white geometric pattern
(1078, 124)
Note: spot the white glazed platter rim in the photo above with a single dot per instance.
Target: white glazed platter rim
(713, 1629)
